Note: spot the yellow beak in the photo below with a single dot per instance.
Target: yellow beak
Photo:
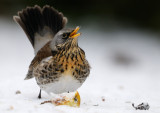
(74, 34)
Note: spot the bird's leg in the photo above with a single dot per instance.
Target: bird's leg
(39, 96)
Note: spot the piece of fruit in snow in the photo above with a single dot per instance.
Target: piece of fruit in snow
(70, 99)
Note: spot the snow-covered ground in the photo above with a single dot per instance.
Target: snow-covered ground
(125, 70)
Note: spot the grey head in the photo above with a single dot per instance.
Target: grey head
(64, 38)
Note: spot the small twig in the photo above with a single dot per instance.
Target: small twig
(46, 102)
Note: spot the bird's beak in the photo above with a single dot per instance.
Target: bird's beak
(74, 33)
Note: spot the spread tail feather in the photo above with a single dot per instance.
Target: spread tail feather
(37, 20)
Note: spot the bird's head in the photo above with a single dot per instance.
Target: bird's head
(65, 39)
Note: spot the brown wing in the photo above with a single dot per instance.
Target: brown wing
(44, 52)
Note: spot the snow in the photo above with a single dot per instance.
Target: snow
(132, 78)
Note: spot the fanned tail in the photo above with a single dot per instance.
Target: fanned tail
(40, 24)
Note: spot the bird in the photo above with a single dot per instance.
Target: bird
(59, 64)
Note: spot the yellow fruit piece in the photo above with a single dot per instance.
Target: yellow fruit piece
(69, 99)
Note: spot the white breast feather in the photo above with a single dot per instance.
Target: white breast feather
(64, 84)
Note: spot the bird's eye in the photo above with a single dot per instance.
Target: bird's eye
(65, 35)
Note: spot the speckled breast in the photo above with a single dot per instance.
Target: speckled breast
(63, 72)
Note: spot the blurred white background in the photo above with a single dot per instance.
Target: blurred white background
(125, 69)
(122, 43)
